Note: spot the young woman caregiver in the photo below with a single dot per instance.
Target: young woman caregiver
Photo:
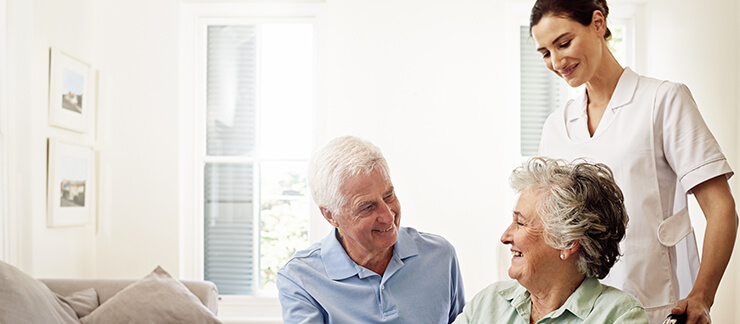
(651, 134)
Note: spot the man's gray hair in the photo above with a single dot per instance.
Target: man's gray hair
(577, 202)
(338, 160)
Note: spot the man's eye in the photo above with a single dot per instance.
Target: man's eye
(390, 197)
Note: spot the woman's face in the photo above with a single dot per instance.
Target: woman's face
(569, 49)
(532, 259)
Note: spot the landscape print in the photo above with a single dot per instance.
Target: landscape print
(72, 88)
(72, 184)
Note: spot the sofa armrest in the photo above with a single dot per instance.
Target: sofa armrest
(206, 291)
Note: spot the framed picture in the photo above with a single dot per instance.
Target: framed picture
(70, 97)
(70, 191)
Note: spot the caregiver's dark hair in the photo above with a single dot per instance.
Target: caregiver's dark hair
(578, 10)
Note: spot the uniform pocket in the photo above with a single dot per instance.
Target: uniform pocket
(673, 229)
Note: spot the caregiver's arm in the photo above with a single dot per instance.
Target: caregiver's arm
(718, 205)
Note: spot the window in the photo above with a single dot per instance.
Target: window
(542, 92)
(256, 143)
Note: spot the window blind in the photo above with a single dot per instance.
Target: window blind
(230, 131)
(231, 90)
(540, 94)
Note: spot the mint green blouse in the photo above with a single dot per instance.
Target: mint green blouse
(592, 302)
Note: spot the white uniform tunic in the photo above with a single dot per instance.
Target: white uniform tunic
(658, 146)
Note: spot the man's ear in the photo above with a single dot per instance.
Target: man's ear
(329, 216)
(599, 22)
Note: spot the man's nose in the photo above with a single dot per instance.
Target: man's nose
(386, 214)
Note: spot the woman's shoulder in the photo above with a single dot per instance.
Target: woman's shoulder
(507, 290)
(611, 297)
(664, 87)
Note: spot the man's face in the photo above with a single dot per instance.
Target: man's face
(368, 222)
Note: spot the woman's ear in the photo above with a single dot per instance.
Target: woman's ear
(599, 23)
(572, 251)
(329, 216)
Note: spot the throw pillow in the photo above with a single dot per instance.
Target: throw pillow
(24, 299)
(156, 298)
(83, 301)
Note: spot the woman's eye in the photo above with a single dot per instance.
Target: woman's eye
(564, 45)
(545, 55)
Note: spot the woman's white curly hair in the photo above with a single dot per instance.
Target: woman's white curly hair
(578, 202)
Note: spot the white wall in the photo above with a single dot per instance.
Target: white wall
(136, 44)
(33, 27)
(136, 51)
(427, 81)
(424, 81)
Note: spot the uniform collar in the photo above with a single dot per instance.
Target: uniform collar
(623, 95)
(340, 266)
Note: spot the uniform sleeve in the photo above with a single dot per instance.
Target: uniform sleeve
(690, 148)
(457, 300)
(298, 306)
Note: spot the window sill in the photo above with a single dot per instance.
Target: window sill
(249, 310)
(251, 320)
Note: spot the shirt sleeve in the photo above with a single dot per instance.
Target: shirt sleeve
(457, 300)
(297, 304)
(690, 148)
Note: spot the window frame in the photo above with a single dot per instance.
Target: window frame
(5, 243)
(195, 17)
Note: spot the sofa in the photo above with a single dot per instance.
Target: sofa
(155, 298)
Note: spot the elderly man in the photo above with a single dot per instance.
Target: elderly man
(368, 269)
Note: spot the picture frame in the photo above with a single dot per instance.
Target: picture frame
(71, 187)
(71, 102)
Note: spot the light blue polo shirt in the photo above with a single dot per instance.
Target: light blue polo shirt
(422, 284)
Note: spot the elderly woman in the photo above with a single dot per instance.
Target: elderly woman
(564, 235)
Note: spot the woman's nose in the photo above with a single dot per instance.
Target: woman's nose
(506, 237)
(555, 62)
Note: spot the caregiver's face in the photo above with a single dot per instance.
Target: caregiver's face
(569, 49)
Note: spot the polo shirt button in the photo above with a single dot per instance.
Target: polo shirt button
(382, 287)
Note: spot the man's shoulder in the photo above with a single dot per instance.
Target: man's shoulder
(425, 239)
(307, 257)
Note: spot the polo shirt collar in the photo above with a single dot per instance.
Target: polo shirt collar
(339, 265)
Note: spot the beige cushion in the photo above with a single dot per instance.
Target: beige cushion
(156, 298)
(26, 300)
(83, 302)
